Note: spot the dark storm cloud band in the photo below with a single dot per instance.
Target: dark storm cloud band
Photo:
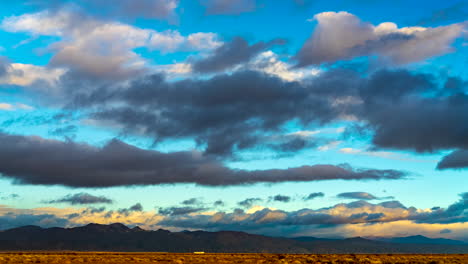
(35, 160)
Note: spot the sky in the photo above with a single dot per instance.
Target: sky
(335, 118)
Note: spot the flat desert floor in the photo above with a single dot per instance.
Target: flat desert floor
(105, 257)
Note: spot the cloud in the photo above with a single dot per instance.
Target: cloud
(174, 211)
(218, 203)
(401, 117)
(314, 195)
(458, 159)
(271, 63)
(249, 202)
(12, 196)
(357, 195)
(398, 108)
(445, 231)
(12, 107)
(126, 9)
(256, 104)
(4, 65)
(343, 36)
(81, 198)
(6, 107)
(67, 131)
(134, 208)
(83, 37)
(344, 219)
(35, 160)
(280, 198)
(230, 54)
(191, 201)
(228, 7)
(335, 217)
(28, 75)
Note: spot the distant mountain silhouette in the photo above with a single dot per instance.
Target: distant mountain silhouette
(421, 240)
(118, 237)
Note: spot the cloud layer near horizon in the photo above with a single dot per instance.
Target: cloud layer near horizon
(347, 218)
(35, 160)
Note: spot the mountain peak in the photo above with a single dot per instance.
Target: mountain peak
(115, 227)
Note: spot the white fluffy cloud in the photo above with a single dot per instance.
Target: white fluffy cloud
(99, 48)
(26, 74)
(341, 36)
(12, 107)
(270, 63)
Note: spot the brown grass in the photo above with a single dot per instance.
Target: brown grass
(106, 257)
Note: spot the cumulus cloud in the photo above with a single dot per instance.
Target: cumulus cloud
(228, 7)
(35, 160)
(29, 75)
(81, 198)
(159, 9)
(231, 54)
(98, 48)
(456, 160)
(342, 36)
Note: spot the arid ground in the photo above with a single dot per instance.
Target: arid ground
(100, 257)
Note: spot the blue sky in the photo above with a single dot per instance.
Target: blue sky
(157, 102)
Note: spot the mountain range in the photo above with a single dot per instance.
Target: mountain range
(118, 237)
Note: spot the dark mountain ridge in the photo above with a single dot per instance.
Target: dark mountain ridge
(118, 237)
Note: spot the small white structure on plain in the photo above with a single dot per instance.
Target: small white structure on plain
(199, 252)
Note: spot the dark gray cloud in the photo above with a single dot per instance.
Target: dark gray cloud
(229, 7)
(81, 198)
(456, 160)
(445, 231)
(281, 198)
(174, 211)
(121, 9)
(401, 117)
(34, 160)
(218, 203)
(134, 208)
(225, 113)
(249, 202)
(191, 201)
(357, 195)
(455, 213)
(400, 109)
(233, 53)
(314, 195)
(12, 196)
